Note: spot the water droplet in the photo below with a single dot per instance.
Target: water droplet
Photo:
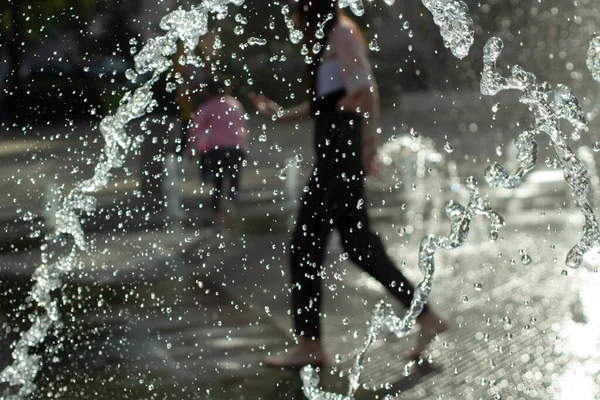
(564, 272)
(593, 57)
(525, 259)
(131, 75)
(493, 236)
(478, 287)
(401, 231)
(282, 174)
(406, 25)
(408, 368)
(411, 33)
(333, 287)
(254, 41)
(448, 147)
(238, 30)
(496, 107)
(345, 321)
(170, 87)
(464, 298)
(344, 256)
(596, 146)
(240, 19)
(262, 138)
(374, 46)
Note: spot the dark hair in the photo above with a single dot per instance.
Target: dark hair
(312, 15)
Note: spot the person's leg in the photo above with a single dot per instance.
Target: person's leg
(364, 247)
(214, 161)
(366, 250)
(181, 141)
(235, 171)
(308, 246)
(318, 211)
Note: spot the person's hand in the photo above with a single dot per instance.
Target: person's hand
(350, 103)
(264, 105)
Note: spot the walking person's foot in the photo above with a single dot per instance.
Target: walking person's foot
(304, 353)
(431, 325)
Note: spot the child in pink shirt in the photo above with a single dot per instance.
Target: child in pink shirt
(219, 132)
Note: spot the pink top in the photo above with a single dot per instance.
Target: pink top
(219, 122)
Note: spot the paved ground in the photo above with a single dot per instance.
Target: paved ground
(172, 313)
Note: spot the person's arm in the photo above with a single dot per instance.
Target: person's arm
(300, 111)
(270, 109)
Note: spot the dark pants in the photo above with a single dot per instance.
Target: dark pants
(335, 199)
(221, 164)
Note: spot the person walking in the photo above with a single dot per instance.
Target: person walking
(219, 131)
(344, 104)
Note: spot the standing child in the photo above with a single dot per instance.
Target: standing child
(219, 131)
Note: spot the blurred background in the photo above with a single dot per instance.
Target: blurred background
(162, 307)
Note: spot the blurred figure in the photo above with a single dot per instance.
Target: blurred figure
(219, 133)
(341, 83)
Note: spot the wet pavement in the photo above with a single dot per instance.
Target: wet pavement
(177, 312)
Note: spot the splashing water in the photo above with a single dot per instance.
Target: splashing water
(452, 16)
(295, 35)
(455, 22)
(413, 164)
(154, 58)
(592, 60)
(549, 107)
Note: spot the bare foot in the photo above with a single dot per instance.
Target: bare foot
(431, 326)
(304, 353)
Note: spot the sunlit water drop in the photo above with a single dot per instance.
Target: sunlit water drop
(448, 147)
